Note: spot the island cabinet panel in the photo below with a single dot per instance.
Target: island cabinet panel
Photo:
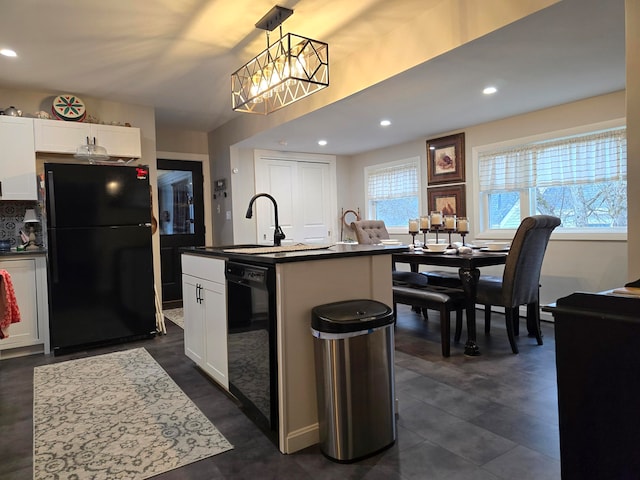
(64, 137)
(18, 179)
(300, 286)
(28, 277)
(205, 315)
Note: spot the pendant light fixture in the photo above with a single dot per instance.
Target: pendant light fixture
(291, 68)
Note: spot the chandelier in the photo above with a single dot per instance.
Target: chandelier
(291, 68)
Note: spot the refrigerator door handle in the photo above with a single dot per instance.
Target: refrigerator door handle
(54, 257)
(52, 200)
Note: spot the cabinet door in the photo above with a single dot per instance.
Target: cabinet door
(204, 299)
(121, 142)
(215, 321)
(23, 278)
(193, 319)
(17, 159)
(64, 137)
(56, 136)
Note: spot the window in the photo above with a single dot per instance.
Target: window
(582, 179)
(393, 194)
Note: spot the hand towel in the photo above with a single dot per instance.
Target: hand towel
(9, 312)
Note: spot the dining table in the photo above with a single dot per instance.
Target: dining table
(468, 265)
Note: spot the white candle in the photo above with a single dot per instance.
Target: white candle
(450, 222)
(463, 225)
(436, 218)
(424, 223)
(413, 226)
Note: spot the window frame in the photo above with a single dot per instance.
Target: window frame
(379, 166)
(481, 203)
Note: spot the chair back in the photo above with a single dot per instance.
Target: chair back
(521, 277)
(369, 232)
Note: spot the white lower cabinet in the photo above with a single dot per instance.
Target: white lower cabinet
(204, 298)
(29, 279)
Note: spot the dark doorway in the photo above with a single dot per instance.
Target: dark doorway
(181, 219)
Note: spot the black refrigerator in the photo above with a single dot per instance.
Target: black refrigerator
(101, 287)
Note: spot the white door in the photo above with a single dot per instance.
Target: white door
(305, 193)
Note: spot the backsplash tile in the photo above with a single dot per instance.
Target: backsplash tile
(11, 216)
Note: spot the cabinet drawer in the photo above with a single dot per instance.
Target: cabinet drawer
(212, 269)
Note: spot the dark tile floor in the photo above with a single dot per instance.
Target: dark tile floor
(488, 417)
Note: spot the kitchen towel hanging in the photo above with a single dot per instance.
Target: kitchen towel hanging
(9, 312)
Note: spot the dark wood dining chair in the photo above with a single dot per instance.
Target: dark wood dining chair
(519, 284)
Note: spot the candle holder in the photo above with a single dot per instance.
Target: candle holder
(424, 228)
(436, 222)
(450, 226)
(463, 227)
(413, 230)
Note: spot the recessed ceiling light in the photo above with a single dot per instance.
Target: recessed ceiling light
(385, 123)
(489, 90)
(7, 52)
(322, 143)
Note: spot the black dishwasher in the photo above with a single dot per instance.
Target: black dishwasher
(252, 343)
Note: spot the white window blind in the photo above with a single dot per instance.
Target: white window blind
(398, 181)
(583, 159)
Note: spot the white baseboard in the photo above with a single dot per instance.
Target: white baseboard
(301, 438)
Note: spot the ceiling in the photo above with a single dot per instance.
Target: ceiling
(177, 56)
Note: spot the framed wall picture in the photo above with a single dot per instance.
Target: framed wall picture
(445, 159)
(449, 200)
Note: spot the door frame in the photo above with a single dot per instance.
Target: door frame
(206, 187)
(206, 204)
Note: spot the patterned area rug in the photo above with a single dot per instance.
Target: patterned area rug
(115, 416)
(175, 315)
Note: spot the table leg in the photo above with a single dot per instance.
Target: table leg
(470, 277)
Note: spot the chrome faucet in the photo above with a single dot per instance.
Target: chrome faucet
(278, 234)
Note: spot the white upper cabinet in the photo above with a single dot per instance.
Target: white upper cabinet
(64, 137)
(17, 159)
(58, 136)
(121, 142)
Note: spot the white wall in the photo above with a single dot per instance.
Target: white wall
(569, 265)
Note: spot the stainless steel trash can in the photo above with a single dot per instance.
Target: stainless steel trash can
(354, 351)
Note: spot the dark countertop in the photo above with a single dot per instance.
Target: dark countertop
(23, 253)
(336, 251)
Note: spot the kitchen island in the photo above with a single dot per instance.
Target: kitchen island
(302, 280)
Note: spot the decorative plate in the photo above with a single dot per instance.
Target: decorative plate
(69, 107)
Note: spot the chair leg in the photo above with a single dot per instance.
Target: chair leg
(458, 333)
(445, 331)
(487, 319)
(533, 321)
(516, 321)
(509, 314)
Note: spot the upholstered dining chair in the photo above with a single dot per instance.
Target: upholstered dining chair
(519, 284)
(370, 232)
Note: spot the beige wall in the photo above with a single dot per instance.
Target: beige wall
(565, 268)
(632, 28)
(186, 141)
